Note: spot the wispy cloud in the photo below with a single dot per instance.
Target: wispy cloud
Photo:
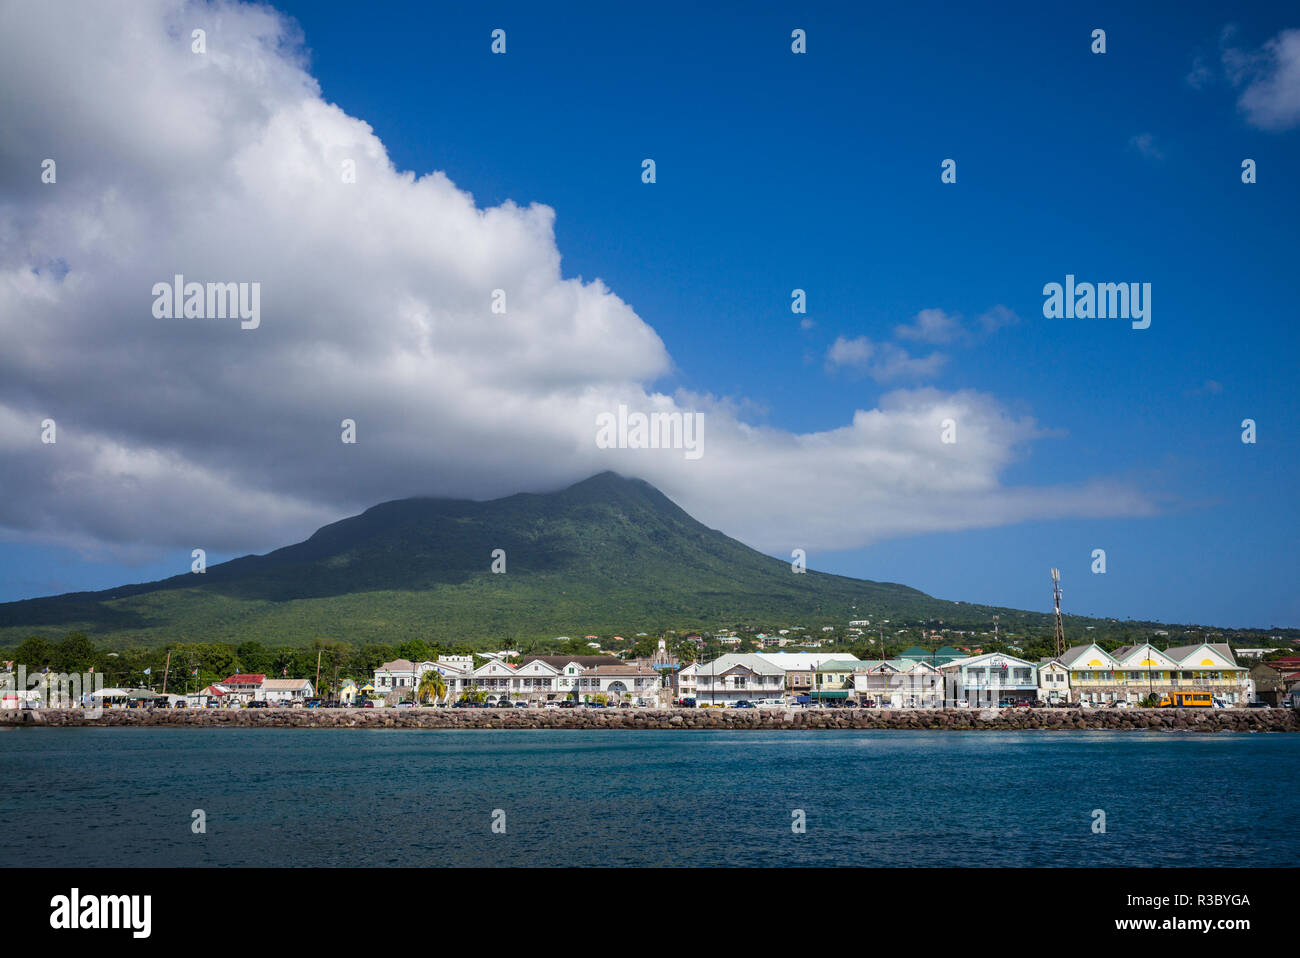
(932, 326)
(1267, 78)
(1145, 144)
(998, 317)
(883, 362)
(886, 361)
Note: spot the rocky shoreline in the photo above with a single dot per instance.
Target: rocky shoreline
(1007, 719)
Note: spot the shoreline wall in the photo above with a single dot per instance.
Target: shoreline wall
(1008, 719)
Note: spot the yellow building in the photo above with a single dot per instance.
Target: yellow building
(1132, 672)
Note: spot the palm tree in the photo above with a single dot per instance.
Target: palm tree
(432, 686)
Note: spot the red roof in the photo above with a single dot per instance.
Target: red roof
(245, 679)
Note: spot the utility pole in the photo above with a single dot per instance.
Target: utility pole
(166, 668)
(316, 688)
(1060, 627)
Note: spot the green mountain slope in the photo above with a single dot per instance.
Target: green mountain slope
(607, 554)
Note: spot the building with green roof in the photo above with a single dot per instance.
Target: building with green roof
(941, 656)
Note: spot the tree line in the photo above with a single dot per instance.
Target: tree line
(194, 665)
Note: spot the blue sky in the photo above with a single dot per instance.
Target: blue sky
(821, 171)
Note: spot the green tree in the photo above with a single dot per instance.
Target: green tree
(645, 647)
(432, 686)
(76, 653)
(35, 653)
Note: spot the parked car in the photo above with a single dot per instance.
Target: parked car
(743, 704)
(402, 705)
(368, 704)
(1258, 705)
(521, 705)
(256, 705)
(504, 704)
(568, 704)
(687, 703)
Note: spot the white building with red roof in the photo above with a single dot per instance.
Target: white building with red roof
(244, 687)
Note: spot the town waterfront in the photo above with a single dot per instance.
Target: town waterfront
(360, 797)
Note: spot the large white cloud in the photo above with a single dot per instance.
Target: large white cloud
(375, 306)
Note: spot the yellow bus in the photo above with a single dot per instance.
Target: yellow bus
(1185, 700)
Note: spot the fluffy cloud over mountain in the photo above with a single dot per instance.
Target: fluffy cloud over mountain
(376, 306)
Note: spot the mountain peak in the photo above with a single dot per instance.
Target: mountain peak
(609, 553)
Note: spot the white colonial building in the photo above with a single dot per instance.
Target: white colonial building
(1053, 682)
(738, 676)
(899, 684)
(684, 682)
(638, 684)
(989, 679)
(395, 675)
(538, 679)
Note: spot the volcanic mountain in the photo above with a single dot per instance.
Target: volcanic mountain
(607, 554)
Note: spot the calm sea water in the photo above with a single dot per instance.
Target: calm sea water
(104, 796)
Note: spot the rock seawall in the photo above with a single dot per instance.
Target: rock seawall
(1010, 719)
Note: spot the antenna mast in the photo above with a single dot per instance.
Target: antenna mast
(1060, 628)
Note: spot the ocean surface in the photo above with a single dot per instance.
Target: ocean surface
(364, 798)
